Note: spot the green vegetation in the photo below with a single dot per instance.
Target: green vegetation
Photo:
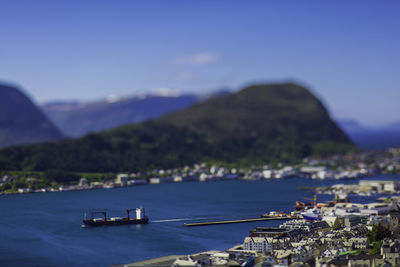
(277, 123)
(48, 179)
(376, 235)
(350, 252)
(30, 183)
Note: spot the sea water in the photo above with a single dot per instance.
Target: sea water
(44, 229)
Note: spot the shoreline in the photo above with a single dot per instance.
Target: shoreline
(116, 186)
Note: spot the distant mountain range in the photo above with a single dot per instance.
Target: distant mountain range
(21, 121)
(78, 118)
(372, 138)
(260, 123)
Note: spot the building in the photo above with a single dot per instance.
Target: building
(259, 244)
(390, 252)
(333, 221)
(83, 182)
(359, 242)
(156, 180)
(379, 186)
(394, 220)
(122, 179)
(8, 178)
(350, 220)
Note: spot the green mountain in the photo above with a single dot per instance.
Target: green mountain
(21, 121)
(275, 122)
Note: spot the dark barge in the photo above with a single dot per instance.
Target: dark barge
(141, 218)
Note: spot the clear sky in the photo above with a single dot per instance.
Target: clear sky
(347, 52)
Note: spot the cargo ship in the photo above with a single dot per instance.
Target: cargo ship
(141, 218)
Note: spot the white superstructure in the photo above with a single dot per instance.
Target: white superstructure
(139, 213)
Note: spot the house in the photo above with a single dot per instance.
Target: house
(333, 221)
(318, 226)
(363, 260)
(188, 261)
(394, 219)
(359, 242)
(122, 179)
(390, 252)
(283, 256)
(332, 252)
(157, 180)
(259, 244)
(83, 182)
(219, 258)
(350, 220)
(137, 182)
(177, 179)
(8, 178)
(24, 190)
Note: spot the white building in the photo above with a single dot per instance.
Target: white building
(122, 179)
(259, 244)
(359, 242)
(379, 186)
(83, 182)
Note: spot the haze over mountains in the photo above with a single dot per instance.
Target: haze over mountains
(261, 123)
(26, 124)
(77, 118)
(372, 138)
(21, 121)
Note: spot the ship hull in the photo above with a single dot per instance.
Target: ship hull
(117, 222)
(311, 217)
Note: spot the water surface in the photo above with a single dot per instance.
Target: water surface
(44, 229)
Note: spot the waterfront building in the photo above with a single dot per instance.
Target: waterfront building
(83, 182)
(379, 186)
(122, 179)
(137, 182)
(186, 262)
(219, 258)
(177, 179)
(155, 180)
(24, 190)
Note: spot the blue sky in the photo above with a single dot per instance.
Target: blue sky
(347, 52)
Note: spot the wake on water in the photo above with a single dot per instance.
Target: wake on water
(178, 220)
(214, 217)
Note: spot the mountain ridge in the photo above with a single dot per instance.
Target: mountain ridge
(21, 121)
(263, 123)
(76, 118)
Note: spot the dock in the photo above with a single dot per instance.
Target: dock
(240, 221)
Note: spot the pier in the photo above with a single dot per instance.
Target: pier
(240, 221)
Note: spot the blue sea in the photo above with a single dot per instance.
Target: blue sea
(44, 229)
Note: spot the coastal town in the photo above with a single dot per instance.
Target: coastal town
(339, 167)
(333, 233)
